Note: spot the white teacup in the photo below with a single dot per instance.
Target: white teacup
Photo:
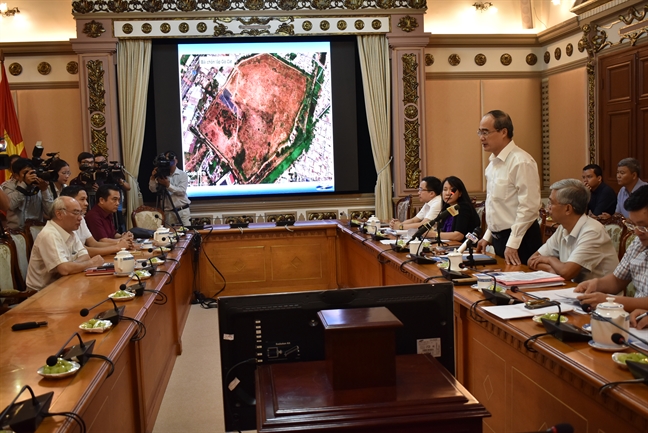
(414, 246)
(455, 260)
(484, 282)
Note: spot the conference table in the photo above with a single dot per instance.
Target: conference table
(523, 390)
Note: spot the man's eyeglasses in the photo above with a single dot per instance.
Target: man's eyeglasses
(633, 227)
(485, 132)
(74, 212)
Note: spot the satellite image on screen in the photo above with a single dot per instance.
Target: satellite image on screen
(257, 118)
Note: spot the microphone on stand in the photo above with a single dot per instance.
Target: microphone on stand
(80, 353)
(138, 288)
(498, 298)
(452, 210)
(471, 240)
(113, 315)
(621, 341)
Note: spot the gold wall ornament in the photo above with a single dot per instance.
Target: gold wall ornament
(83, 6)
(408, 24)
(287, 5)
(531, 59)
(273, 218)
(221, 30)
(341, 25)
(385, 4)
(93, 29)
(99, 143)
(118, 6)
(480, 59)
(238, 219)
(633, 14)
(183, 27)
(220, 5)
(321, 4)
(325, 25)
(454, 59)
(359, 24)
(412, 154)
(361, 214)
(96, 89)
(254, 5)
(127, 28)
(285, 30)
(506, 59)
(151, 5)
(557, 53)
(307, 25)
(569, 50)
(147, 28)
(591, 109)
(165, 27)
(417, 4)
(98, 120)
(318, 216)
(72, 68)
(15, 69)
(410, 81)
(201, 27)
(186, 5)
(593, 40)
(411, 111)
(376, 24)
(547, 57)
(429, 60)
(353, 4)
(44, 68)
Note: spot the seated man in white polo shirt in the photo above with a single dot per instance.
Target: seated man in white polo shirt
(57, 250)
(580, 249)
(429, 192)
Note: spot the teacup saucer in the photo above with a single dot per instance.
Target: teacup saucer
(604, 347)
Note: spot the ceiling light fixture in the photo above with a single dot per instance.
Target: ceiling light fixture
(482, 6)
(8, 12)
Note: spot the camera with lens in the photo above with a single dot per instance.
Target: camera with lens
(43, 166)
(110, 172)
(163, 165)
(4, 157)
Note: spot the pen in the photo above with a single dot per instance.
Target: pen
(641, 316)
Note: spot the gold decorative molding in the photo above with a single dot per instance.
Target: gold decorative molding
(410, 82)
(183, 27)
(361, 214)
(15, 69)
(454, 59)
(429, 60)
(359, 24)
(273, 218)
(72, 68)
(165, 27)
(308, 26)
(201, 27)
(376, 24)
(188, 6)
(569, 50)
(480, 59)
(408, 24)
(341, 25)
(97, 106)
(547, 57)
(321, 215)
(147, 28)
(531, 59)
(325, 25)
(411, 111)
(99, 142)
(470, 40)
(44, 68)
(557, 53)
(98, 120)
(412, 127)
(127, 28)
(506, 59)
(93, 29)
(237, 219)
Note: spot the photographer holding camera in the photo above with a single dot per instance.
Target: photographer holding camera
(170, 183)
(29, 196)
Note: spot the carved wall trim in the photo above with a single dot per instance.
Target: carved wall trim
(483, 40)
(45, 85)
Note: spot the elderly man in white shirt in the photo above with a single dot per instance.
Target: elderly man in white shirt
(429, 192)
(512, 192)
(57, 250)
(581, 248)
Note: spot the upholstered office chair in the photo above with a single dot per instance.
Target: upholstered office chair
(10, 293)
(616, 229)
(32, 229)
(23, 250)
(145, 217)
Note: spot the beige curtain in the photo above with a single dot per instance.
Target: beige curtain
(374, 63)
(133, 67)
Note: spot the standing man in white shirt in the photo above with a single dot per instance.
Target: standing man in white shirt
(512, 192)
(429, 192)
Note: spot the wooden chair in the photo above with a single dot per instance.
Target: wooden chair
(145, 217)
(616, 229)
(547, 226)
(11, 292)
(403, 208)
(23, 252)
(32, 229)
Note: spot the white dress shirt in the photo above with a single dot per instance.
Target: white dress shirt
(431, 209)
(512, 193)
(588, 245)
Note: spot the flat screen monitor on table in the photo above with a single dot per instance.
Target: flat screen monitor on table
(284, 327)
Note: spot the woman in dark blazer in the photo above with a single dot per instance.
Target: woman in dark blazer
(455, 228)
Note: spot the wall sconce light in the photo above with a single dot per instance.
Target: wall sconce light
(482, 6)
(8, 12)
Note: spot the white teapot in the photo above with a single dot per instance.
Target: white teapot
(602, 330)
(124, 262)
(161, 237)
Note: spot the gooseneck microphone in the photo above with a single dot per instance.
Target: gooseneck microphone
(113, 315)
(471, 240)
(621, 341)
(79, 353)
(138, 288)
(452, 210)
(611, 322)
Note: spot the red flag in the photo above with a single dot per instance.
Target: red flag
(9, 124)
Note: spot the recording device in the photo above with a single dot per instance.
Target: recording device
(452, 210)
(43, 166)
(79, 353)
(107, 172)
(27, 325)
(163, 165)
(4, 157)
(113, 315)
(471, 240)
